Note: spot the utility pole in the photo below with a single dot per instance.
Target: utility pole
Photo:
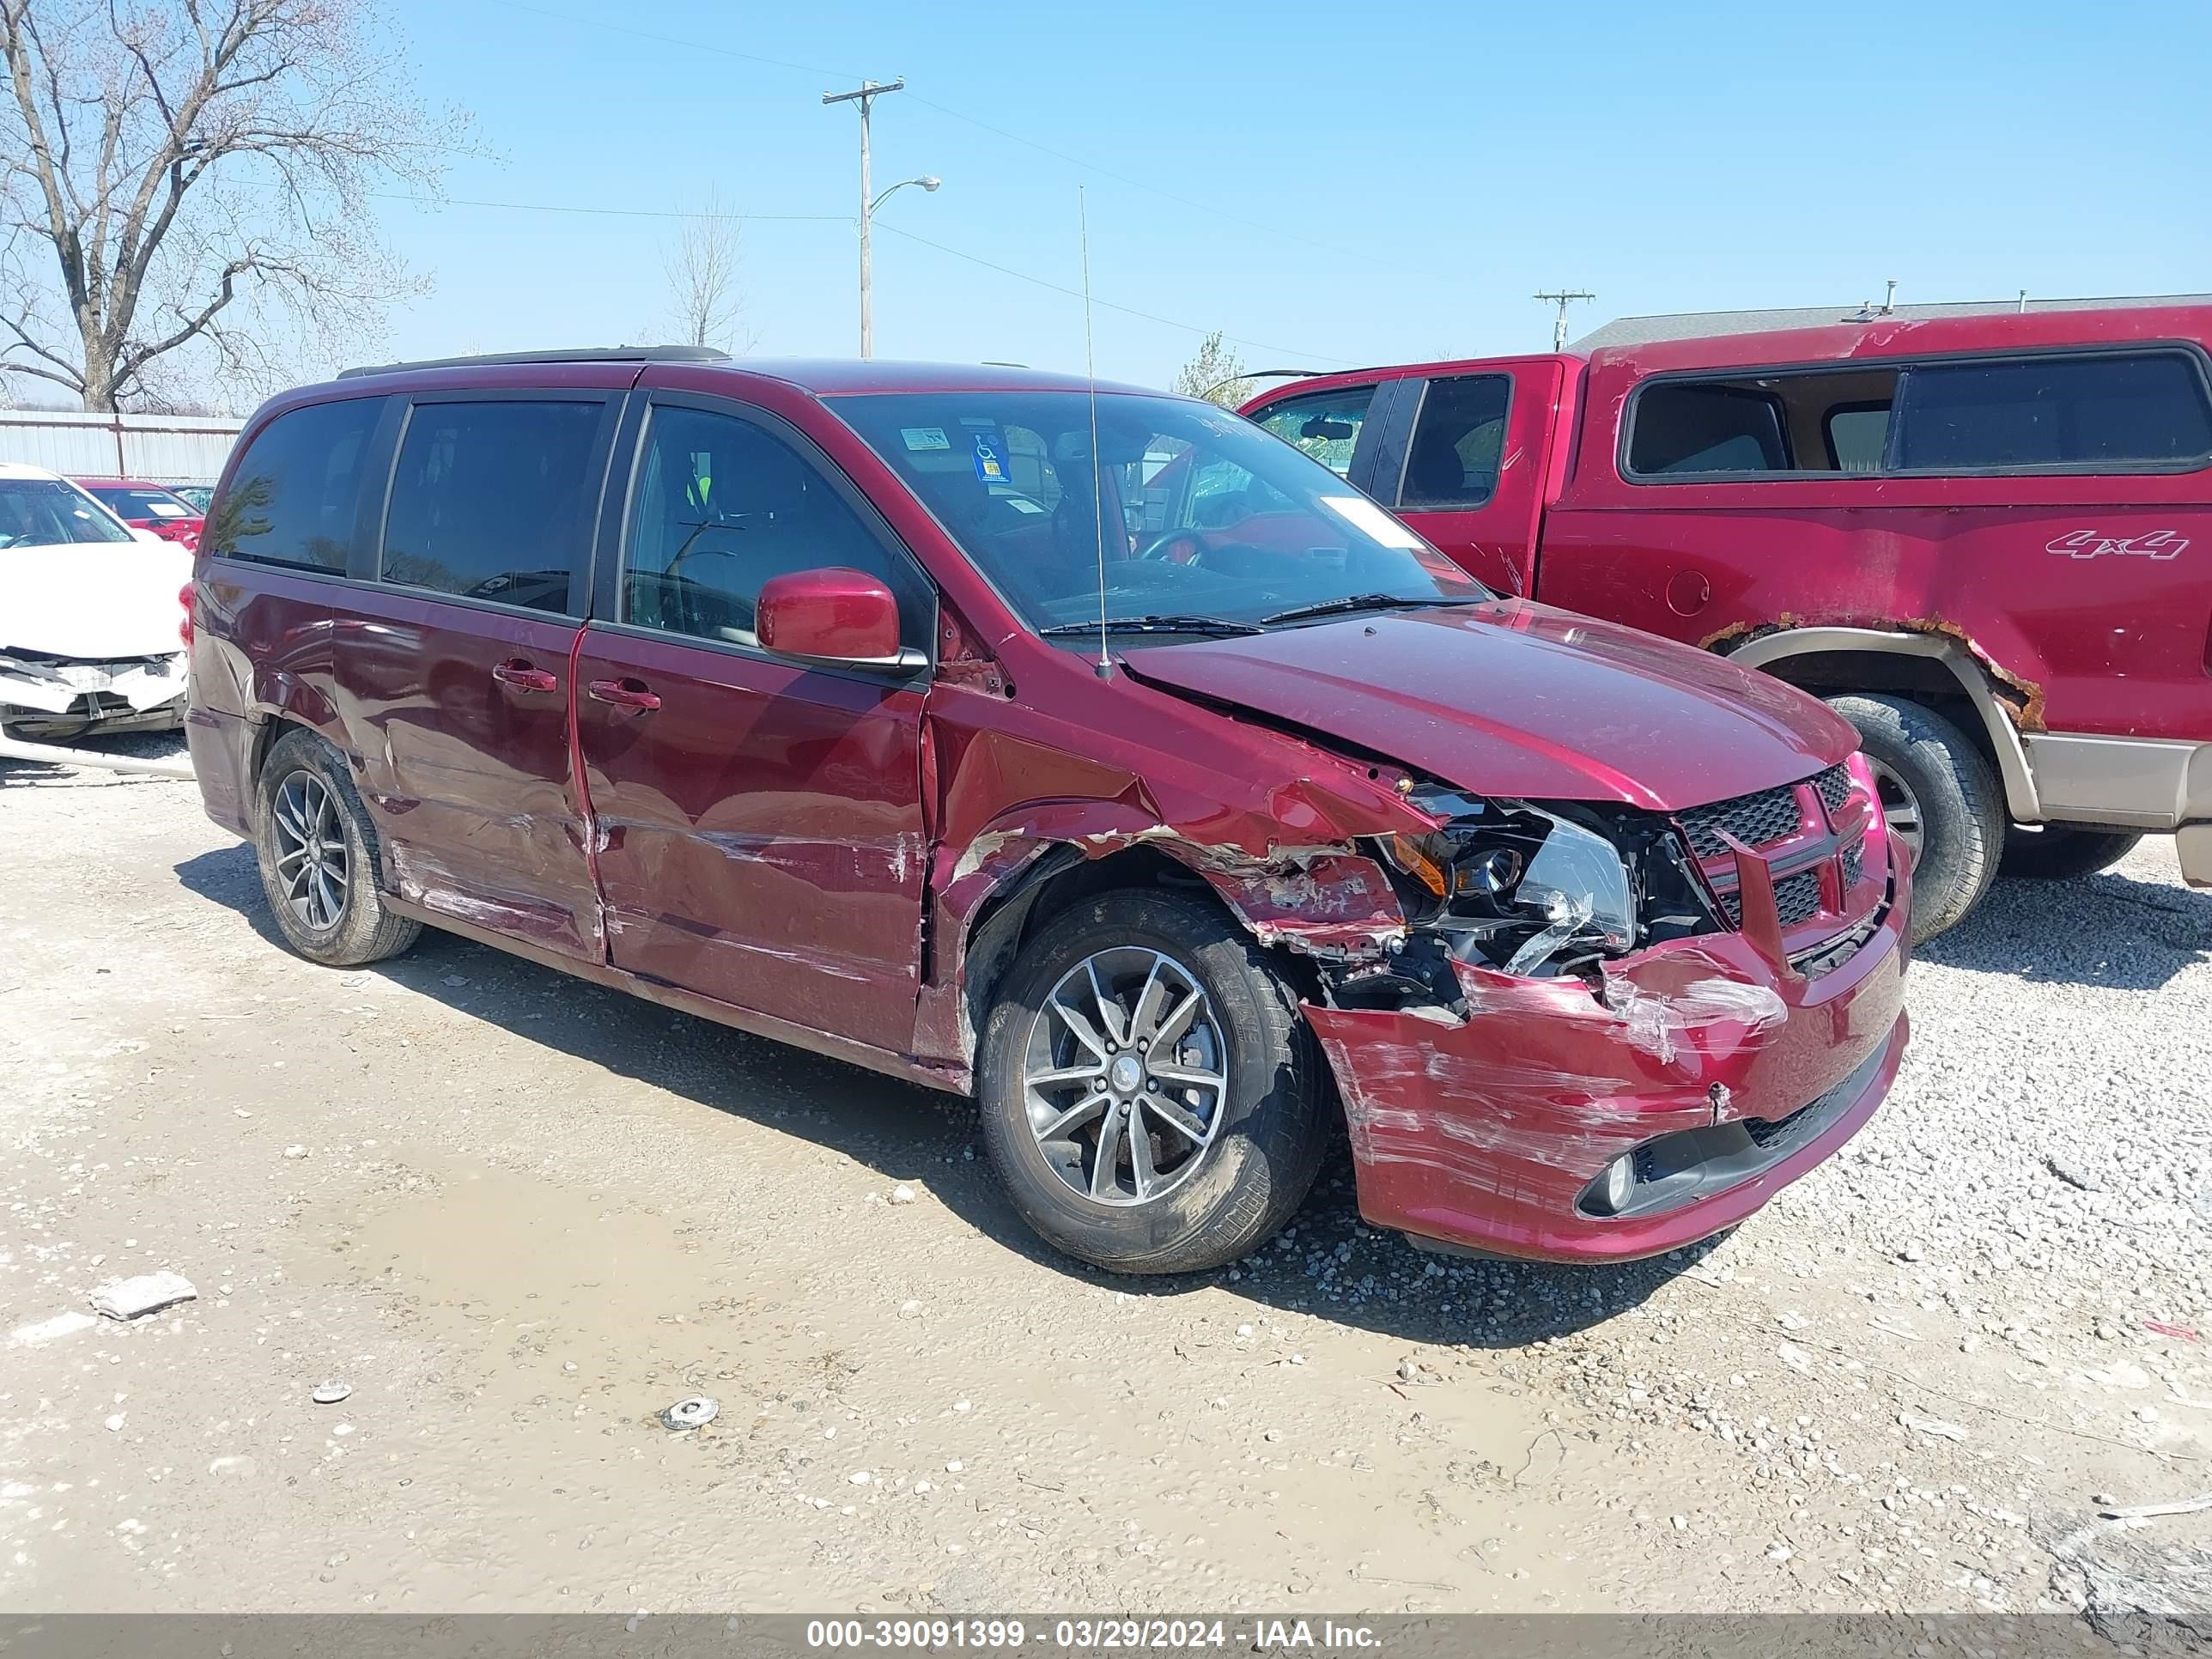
(866, 95)
(1563, 298)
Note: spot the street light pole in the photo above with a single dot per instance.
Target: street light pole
(866, 95)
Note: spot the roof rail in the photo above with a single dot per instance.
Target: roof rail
(660, 353)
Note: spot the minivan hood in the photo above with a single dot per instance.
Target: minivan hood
(1513, 698)
(93, 601)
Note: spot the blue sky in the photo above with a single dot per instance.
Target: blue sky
(1328, 185)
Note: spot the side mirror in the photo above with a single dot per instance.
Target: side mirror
(831, 615)
(138, 535)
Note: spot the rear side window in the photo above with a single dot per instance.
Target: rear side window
(1326, 425)
(292, 495)
(1457, 440)
(489, 500)
(1698, 428)
(2145, 410)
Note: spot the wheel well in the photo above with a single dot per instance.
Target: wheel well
(1924, 680)
(1063, 876)
(266, 738)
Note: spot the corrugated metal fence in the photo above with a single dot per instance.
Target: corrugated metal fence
(171, 449)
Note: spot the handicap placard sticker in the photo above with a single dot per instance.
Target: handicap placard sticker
(989, 467)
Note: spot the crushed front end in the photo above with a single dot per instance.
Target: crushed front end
(1608, 1032)
(48, 697)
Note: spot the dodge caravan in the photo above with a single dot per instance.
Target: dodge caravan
(1081, 747)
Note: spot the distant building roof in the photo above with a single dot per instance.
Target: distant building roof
(1700, 324)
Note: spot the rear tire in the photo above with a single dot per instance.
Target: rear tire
(1265, 1123)
(318, 855)
(2058, 854)
(1947, 790)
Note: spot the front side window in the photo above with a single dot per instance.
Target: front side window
(1207, 520)
(721, 504)
(1326, 425)
(47, 512)
(2143, 409)
(491, 501)
(292, 495)
(1458, 439)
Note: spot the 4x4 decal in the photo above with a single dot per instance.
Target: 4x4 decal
(2094, 544)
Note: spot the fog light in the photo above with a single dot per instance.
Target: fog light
(1620, 1183)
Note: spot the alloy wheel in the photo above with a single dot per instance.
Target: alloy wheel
(1125, 1076)
(312, 868)
(1900, 807)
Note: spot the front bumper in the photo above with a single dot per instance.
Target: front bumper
(1488, 1132)
(56, 697)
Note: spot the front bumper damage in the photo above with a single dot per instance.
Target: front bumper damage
(1486, 1131)
(47, 696)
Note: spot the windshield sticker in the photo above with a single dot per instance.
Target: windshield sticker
(1371, 521)
(165, 509)
(989, 467)
(925, 437)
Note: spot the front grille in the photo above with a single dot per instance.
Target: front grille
(1771, 815)
(1796, 898)
(1835, 787)
(1854, 863)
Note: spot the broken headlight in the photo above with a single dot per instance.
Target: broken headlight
(1516, 886)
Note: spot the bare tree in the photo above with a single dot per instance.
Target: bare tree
(183, 187)
(706, 299)
(1216, 374)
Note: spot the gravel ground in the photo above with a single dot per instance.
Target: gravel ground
(520, 1215)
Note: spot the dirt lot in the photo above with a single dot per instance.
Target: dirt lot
(520, 1215)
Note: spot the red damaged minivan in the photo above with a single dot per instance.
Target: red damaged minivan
(1084, 749)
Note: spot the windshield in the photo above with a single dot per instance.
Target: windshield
(47, 512)
(138, 501)
(1206, 517)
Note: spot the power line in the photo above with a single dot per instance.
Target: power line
(435, 203)
(1108, 305)
(1012, 137)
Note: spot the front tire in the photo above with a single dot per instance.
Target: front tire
(317, 852)
(2054, 855)
(1940, 797)
(1152, 1101)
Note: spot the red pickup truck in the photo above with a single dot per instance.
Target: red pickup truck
(1985, 539)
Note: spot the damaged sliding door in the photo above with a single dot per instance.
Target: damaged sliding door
(759, 822)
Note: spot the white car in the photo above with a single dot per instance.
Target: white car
(89, 615)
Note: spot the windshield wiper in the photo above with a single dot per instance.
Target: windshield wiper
(1364, 602)
(1221, 625)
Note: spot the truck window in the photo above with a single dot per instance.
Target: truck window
(1856, 435)
(1700, 428)
(2123, 411)
(1452, 461)
(1326, 425)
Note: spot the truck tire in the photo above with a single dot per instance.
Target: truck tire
(1099, 1026)
(2033, 853)
(318, 854)
(1937, 791)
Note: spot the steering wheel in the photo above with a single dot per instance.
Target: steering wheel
(1176, 547)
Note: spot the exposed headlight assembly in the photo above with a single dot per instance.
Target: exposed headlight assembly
(1516, 886)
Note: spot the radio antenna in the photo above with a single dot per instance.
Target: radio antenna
(1105, 665)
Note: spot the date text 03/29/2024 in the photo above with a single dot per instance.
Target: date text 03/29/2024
(1092, 1635)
